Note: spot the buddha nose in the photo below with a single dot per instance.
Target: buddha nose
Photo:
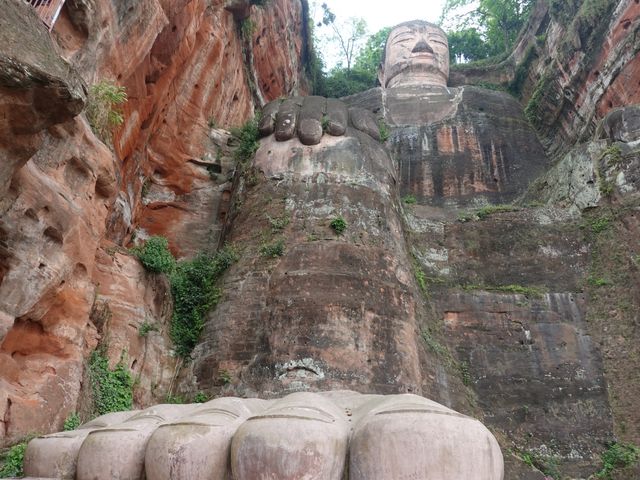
(422, 46)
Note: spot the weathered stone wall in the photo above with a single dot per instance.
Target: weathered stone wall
(537, 303)
(455, 146)
(593, 69)
(600, 180)
(329, 311)
(508, 290)
(132, 311)
(574, 63)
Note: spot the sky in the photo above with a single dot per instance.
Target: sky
(377, 14)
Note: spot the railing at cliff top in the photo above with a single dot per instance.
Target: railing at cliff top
(47, 10)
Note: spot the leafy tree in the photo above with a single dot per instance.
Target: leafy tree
(348, 35)
(370, 56)
(468, 45)
(504, 19)
(498, 21)
(358, 68)
(314, 65)
(340, 82)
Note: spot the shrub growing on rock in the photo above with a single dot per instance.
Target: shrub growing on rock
(618, 456)
(247, 137)
(103, 108)
(274, 249)
(193, 285)
(338, 224)
(12, 465)
(72, 422)
(155, 255)
(112, 389)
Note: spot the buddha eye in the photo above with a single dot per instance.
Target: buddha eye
(403, 37)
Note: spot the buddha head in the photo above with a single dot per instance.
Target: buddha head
(417, 53)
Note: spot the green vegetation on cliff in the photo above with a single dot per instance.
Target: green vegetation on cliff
(585, 21)
(273, 249)
(543, 95)
(522, 71)
(383, 130)
(103, 108)
(155, 255)
(527, 291)
(13, 460)
(546, 464)
(72, 422)
(608, 166)
(338, 224)
(585, 26)
(489, 29)
(486, 211)
(112, 389)
(247, 137)
(193, 286)
(617, 457)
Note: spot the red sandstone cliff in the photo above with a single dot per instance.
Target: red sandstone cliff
(574, 63)
(64, 285)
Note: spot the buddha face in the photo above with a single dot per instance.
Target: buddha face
(417, 53)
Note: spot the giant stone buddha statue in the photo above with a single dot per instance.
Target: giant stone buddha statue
(312, 436)
(456, 145)
(417, 53)
(321, 316)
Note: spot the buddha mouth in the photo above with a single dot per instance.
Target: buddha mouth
(416, 65)
(425, 55)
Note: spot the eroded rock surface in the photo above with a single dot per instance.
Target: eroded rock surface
(572, 65)
(310, 306)
(301, 436)
(509, 290)
(132, 310)
(187, 68)
(37, 88)
(53, 221)
(457, 146)
(183, 67)
(602, 71)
